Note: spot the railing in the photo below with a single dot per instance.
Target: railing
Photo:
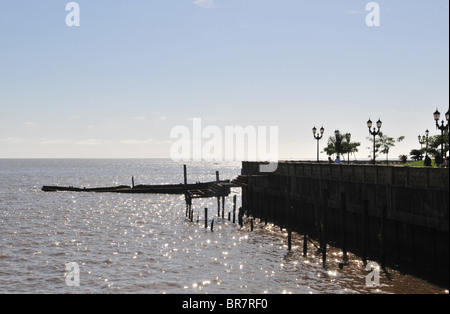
(378, 174)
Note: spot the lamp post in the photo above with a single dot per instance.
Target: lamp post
(374, 133)
(318, 137)
(348, 137)
(442, 127)
(424, 140)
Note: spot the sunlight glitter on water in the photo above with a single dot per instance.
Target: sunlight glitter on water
(144, 244)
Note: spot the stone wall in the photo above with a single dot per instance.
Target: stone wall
(394, 214)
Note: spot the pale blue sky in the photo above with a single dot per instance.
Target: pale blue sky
(134, 69)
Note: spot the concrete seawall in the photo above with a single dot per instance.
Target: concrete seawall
(395, 215)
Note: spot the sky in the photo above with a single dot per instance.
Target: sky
(117, 85)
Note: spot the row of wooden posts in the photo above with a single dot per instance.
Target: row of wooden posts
(190, 211)
(320, 223)
(220, 213)
(322, 247)
(320, 226)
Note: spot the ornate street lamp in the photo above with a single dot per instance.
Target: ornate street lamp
(348, 137)
(442, 127)
(424, 140)
(374, 133)
(318, 137)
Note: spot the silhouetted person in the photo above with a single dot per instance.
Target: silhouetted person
(330, 161)
(445, 164)
(438, 160)
(427, 161)
(338, 160)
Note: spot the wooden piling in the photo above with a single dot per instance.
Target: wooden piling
(223, 206)
(288, 223)
(188, 206)
(316, 217)
(265, 206)
(132, 182)
(234, 208)
(382, 236)
(206, 218)
(249, 193)
(280, 212)
(365, 230)
(212, 225)
(218, 198)
(324, 248)
(323, 231)
(241, 223)
(289, 239)
(344, 225)
(218, 206)
(186, 196)
(269, 206)
(305, 245)
(251, 224)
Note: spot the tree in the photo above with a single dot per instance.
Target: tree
(416, 154)
(403, 159)
(387, 143)
(383, 144)
(340, 145)
(434, 144)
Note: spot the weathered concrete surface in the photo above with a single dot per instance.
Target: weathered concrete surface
(396, 215)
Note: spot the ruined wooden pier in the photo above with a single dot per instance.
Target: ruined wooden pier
(218, 188)
(203, 189)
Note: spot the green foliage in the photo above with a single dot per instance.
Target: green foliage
(383, 144)
(420, 163)
(434, 144)
(416, 154)
(403, 158)
(340, 145)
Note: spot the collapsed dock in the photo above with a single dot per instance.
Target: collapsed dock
(205, 189)
(218, 188)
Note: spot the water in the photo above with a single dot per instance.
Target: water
(140, 243)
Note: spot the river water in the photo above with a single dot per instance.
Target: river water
(124, 243)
